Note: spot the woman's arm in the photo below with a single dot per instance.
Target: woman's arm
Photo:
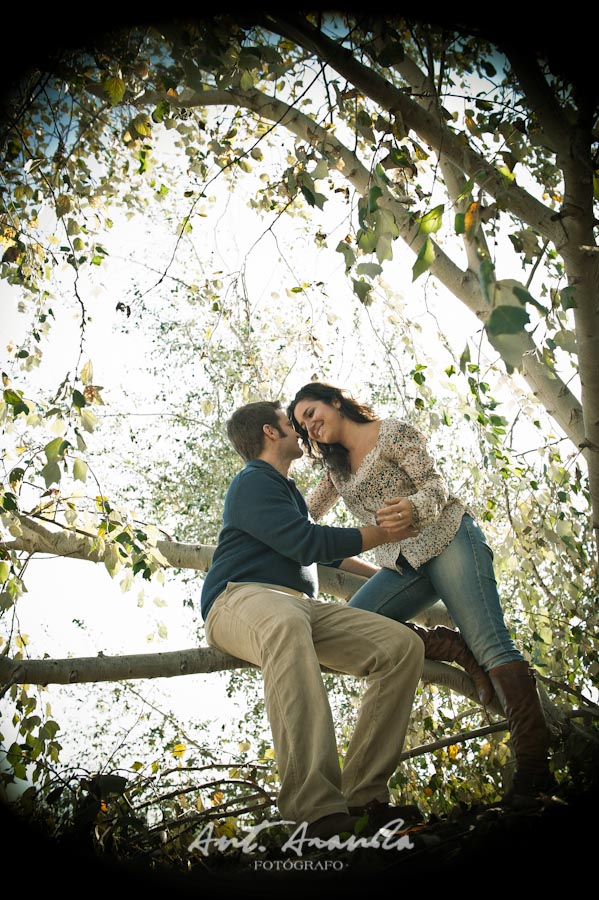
(409, 449)
(322, 497)
(358, 566)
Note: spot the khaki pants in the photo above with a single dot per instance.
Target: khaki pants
(289, 636)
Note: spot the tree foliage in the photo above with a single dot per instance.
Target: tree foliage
(418, 222)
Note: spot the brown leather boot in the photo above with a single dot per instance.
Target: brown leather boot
(446, 644)
(516, 690)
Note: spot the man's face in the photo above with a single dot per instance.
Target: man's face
(289, 436)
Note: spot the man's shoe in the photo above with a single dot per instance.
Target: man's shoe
(381, 814)
(334, 825)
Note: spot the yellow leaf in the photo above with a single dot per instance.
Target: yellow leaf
(115, 88)
(88, 419)
(472, 218)
(63, 205)
(80, 470)
(87, 372)
(178, 750)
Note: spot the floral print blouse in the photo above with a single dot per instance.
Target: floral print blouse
(399, 465)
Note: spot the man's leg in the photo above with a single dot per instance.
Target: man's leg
(390, 656)
(272, 629)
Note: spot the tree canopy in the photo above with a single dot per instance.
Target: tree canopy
(198, 212)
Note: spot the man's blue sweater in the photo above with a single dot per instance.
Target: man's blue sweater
(268, 536)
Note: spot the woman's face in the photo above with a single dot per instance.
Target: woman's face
(321, 420)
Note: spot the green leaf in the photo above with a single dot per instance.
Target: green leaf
(390, 55)
(349, 255)
(56, 449)
(567, 341)
(6, 600)
(364, 125)
(362, 290)
(425, 259)
(63, 205)
(15, 399)
(246, 82)
(371, 270)
(51, 473)
(384, 248)
(465, 358)
(114, 88)
(80, 470)
(460, 224)
(568, 297)
(73, 227)
(486, 274)
(313, 197)
(161, 111)
(374, 194)
(81, 445)
(524, 297)
(79, 400)
(367, 241)
(9, 501)
(110, 784)
(432, 221)
(380, 175)
(507, 320)
(385, 223)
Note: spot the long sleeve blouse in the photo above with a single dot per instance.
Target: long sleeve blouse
(399, 465)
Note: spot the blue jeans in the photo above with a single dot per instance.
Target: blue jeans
(463, 577)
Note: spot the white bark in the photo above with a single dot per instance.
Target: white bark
(42, 537)
(192, 661)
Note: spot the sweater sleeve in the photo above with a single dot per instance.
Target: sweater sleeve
(271, 510)
(322, 497)
(409, 448)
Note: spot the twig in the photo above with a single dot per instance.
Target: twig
(456, 739)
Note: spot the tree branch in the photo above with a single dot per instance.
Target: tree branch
(464, 285)
(196, 660)
(427, 126)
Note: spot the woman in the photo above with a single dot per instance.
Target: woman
(382, 470)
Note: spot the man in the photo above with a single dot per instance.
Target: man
(259, 603)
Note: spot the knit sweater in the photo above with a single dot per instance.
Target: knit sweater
(268, 536)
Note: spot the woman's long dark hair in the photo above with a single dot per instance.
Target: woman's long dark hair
(333, 456)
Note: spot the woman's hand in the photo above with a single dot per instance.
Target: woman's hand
(397, 516)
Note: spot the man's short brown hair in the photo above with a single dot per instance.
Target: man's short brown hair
(245, 427)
